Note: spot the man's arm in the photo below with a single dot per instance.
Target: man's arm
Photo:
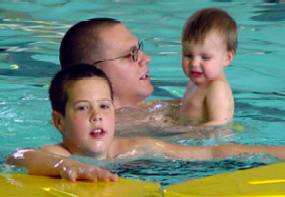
(43, 163)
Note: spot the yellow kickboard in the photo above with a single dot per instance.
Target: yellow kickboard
(262, 181)
(38, 186)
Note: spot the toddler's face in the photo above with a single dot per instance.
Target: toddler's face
(205, 61)
(89, 117)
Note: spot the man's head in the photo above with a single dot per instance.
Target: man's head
(109, 45)
(211, 20)
(83, 112)
(82, 43)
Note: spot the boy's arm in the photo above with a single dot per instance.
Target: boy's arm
(175, 151)
(210, 152)
(48, 164)
(243, 149)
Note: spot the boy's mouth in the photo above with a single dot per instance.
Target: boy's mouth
(97, 133)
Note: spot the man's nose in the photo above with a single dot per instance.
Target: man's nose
(144, 58)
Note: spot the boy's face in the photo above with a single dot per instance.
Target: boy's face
(130, 79)
(205, 61)
(88, 125)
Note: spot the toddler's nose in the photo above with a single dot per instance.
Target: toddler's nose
(195, 62)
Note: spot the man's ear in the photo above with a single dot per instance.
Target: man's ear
(229, 57)
(58, 121)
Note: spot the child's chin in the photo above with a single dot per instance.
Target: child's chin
(96, 150)
(198, 82)
(97, 154)
(99, 148)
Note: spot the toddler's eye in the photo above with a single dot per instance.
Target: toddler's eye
(206, 57)
(189, 56)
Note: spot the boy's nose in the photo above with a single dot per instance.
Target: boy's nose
(96, 117)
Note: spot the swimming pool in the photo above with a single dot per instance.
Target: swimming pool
(31, 31)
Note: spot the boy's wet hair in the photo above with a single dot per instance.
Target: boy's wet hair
(82, 43)
(208, 20)
(60, 83)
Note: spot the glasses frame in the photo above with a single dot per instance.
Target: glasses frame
(133, 54)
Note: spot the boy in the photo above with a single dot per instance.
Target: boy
(83, 112)
(209, 41)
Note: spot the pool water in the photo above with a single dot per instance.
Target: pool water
(31, 31)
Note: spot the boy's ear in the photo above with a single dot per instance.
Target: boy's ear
(58, 122)
(229, 57)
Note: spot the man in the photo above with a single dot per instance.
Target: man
(107, 44)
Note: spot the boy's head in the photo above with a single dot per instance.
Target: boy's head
(210, 20)
(58, 91)
(83, 112)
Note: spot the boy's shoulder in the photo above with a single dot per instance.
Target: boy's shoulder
(56, 149)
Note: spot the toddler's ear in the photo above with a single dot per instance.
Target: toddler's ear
(229, 58)
(58, 122)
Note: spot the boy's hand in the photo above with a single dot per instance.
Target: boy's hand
(74, 170)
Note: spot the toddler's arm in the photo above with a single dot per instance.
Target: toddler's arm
(219, 104)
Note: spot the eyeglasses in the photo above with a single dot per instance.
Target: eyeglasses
(133, 54)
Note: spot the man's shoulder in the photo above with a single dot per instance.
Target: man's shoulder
(152, 103)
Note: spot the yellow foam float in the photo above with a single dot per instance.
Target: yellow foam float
(265, 181)
(38, 186)
(262, 181)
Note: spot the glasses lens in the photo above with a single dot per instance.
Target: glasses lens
(135, 52)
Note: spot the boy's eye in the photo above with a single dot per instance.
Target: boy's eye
(105, 106)
(82, 108)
